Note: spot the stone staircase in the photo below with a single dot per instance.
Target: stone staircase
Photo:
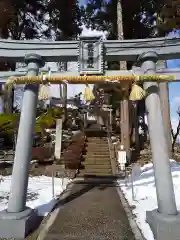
(97, 159)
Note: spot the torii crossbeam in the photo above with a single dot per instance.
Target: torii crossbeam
(91, 54)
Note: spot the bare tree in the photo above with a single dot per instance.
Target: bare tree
(175, 133)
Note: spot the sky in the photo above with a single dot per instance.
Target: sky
(82, 2)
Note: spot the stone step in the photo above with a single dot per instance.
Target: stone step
(97, 139)
(93, 173)
(96, 145)
(96, 160)
(101, 156)
(92, 155)
(97, 149)
(98, 142)
(97, 165)
(95, 133)
(109, 179)
(88, 175)
(96, 154)
(89, 169)
(101, 138)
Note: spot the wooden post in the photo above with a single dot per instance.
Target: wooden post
(65, 100)
(60, 91)
(58, 143)
(110, 119)
(136, 126)
(124, 123)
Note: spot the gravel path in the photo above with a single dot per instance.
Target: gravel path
(91, 212)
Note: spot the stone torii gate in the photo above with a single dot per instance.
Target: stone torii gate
(91, 53)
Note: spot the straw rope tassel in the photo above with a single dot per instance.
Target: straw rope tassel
(137, 92)
(88, 94)
(44, 91)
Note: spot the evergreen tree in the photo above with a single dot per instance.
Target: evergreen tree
(65, 18)
(22, 19)
(139, 17)
(33, 19)
(169, 16)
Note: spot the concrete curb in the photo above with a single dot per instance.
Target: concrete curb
(135, 229)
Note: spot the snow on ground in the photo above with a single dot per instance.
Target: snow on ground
(39, 194)
(145, 194)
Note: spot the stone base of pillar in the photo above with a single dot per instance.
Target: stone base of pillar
(17, 225)
(164, 227)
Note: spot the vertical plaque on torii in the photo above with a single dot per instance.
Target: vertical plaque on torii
(90, 59)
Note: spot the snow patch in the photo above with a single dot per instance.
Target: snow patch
(145, 194)
(39, 194)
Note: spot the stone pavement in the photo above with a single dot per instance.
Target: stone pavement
(92, 211)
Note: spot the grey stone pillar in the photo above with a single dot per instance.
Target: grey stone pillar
(15, 222)
(164, 97)
(165, 220)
